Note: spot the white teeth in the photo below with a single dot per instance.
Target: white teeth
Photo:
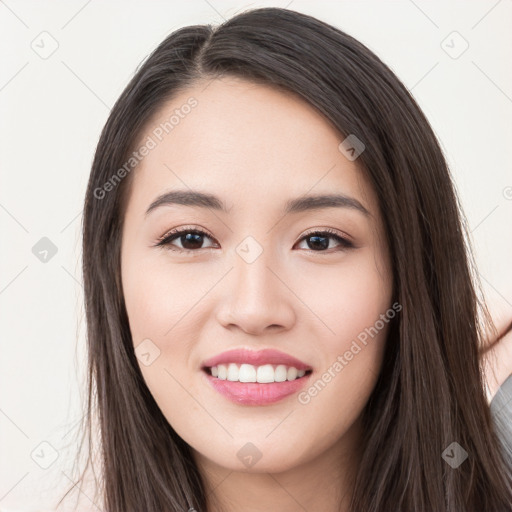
(232, 372)
(265, 373)
(280, 373)
(249, 373)
(223, 372)
(292, 373)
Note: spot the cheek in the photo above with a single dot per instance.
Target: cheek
(162, 304)
(353, 305)
(158, 302)
(346, 298)
(160, 296)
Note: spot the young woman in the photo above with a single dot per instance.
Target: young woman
(280, 299)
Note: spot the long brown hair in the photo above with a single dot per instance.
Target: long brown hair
(430, 390)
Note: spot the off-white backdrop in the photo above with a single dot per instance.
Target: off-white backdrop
(63, 66)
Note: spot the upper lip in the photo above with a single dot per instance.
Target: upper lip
(256, 358)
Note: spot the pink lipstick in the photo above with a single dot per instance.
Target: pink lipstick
(249, 377)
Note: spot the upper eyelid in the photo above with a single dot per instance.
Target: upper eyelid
(186, 229)
(330, 232)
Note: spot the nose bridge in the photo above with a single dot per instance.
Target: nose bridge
(253, 279)
(256, 299)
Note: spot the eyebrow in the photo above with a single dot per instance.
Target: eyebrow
(305, 203)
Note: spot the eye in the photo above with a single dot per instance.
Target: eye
(318, 241)
(192, 239)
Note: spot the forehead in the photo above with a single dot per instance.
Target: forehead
(247, 141)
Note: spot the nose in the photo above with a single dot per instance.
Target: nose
(256, 298)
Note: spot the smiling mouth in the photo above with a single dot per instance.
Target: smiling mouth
(263, 374)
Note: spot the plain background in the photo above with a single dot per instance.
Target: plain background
(52, 109)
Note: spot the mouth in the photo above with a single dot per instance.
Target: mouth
(264, 374)
(248, 377)
(256, 386)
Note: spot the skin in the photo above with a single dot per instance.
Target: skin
(496, 353)
(255, 147)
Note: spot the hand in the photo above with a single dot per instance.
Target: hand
(496, 354)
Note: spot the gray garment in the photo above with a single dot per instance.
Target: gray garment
(501, 411)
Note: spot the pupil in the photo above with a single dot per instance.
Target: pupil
(322, 245)
(191, 241)
(194, 241)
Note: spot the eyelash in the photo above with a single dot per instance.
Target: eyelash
(165, 240)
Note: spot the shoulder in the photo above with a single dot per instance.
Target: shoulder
(501, 411)
(501, 404)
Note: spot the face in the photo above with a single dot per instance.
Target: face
(256, 269)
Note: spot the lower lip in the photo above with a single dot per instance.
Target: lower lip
(254, 393)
